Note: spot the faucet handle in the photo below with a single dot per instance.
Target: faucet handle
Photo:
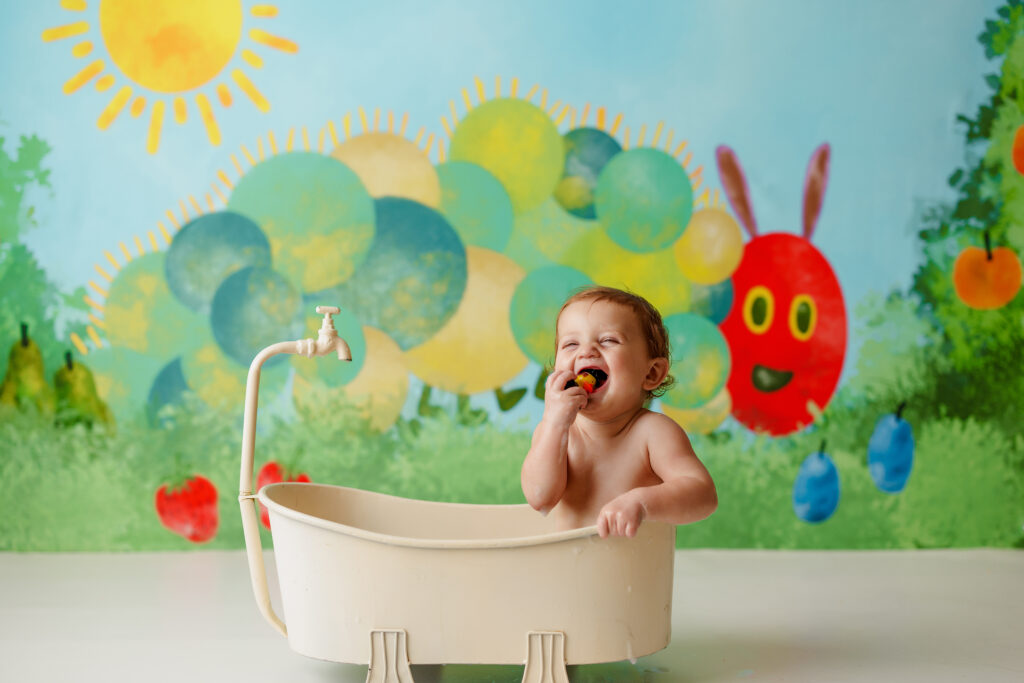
(327, 312)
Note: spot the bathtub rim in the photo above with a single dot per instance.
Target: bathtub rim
(405, 541)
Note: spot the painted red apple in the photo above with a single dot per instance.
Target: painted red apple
(189, 510)
(787, 328)
(272, 473)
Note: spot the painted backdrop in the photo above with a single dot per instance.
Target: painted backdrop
(820, 200)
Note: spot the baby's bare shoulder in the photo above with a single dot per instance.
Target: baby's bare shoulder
(657, 425)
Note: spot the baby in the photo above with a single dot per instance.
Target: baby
(599, 456)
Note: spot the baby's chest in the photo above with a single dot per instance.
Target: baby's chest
(619, 468)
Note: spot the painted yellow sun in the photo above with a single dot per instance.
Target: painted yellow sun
(171, 52)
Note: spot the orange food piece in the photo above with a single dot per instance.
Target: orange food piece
(987, 283)
(587, 381)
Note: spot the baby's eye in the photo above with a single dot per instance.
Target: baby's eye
(568, 344)
(607, 340)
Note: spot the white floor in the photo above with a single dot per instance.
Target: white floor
(819, 617)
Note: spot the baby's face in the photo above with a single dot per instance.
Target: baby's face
(605, 337)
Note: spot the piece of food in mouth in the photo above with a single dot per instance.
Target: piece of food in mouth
(589, 379)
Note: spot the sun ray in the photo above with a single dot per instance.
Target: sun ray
(180, 110)
(224, 95)
(138, 106)
(185, 218)
(127, 254)
(455, 116)
(113, 261)
(171, 217)
(641, 135)
(138, 245)
(152, 240)
(264, 11)
(276, 42)
(346, 124)
(625, 138)
(220, 195)
(696, 174)
(405, 124)
(447, 128)
(92, 302)
(249, 89)
(259, 149)
(440, 150)
(83, 76)
(238, 165)
(600, 117)
(515, 87)
(544, 98)
(248, 156)
(209, 121)
(290, 142)
(77, 341)
(104, 274)
(391, 121)
(65, 31)
(82, 49)
(95, 337)
(657, 133)
(668, 140)
(320, 144)
(702, 199)
(305, 138)
(156, 121)
(572, 118)
(163, 231)
(273, 142)
(533, 91)
(616, 123)
(252, 59)
(561, 117)
(585, 114)
(679, 149)
(104, 83)
(429, 143)
(419, 136)
(224, 179)
(687, 159)
(114, 107)
(99, 290)
(376, 119)
(497, 86)
(74, 5)
(480, 94)
(195, 205)
(97, 322)
(362, 120)
(554, 107)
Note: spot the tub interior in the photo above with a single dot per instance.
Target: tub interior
(410, 518)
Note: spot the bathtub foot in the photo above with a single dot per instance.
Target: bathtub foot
(545, 657)
(389, 657)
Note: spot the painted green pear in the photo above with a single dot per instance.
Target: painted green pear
(25, 383)
(77, 400)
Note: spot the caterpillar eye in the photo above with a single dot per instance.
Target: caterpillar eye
(759, 309)
(803, 317)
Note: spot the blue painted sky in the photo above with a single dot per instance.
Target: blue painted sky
(882, 82)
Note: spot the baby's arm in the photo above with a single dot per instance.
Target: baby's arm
(687, 493)
(545, 469)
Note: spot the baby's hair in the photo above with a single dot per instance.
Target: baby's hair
(647, 316)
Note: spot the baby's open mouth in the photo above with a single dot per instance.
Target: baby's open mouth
(591, 379)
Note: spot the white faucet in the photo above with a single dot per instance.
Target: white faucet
(327, 341)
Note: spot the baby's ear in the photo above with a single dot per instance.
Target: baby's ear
(656, 374)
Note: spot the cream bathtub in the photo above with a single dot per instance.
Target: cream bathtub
(373, 579)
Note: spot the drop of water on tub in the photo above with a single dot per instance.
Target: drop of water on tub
(629, 653)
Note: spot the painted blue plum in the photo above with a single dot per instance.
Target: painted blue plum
(891, 452)
(816, 490)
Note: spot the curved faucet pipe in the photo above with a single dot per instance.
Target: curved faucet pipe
(327, 342)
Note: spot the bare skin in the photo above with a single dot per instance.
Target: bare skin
(602, 458)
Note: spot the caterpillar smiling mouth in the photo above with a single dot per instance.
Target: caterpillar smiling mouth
(769, 379)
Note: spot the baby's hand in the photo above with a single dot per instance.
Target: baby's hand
(621, 516)
(561, 404)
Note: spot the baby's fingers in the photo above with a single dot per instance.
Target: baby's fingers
(602, 525)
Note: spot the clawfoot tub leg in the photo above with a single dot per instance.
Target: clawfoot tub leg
(389, 657)
(545, 658)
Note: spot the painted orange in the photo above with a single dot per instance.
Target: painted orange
(986, 283)
(1018, 150)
